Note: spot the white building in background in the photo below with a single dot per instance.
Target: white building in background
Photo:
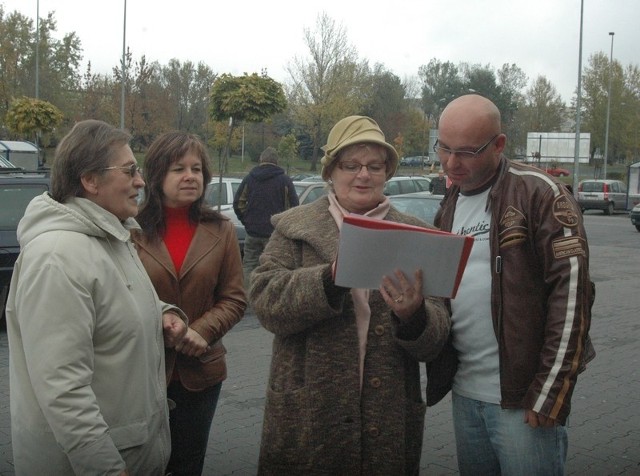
(557, 147)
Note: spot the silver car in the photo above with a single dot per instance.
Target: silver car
(423, 205)
(605, 195)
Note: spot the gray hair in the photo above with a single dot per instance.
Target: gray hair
(269, 155)
(88, 147)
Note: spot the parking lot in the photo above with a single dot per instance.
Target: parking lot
(604, 427)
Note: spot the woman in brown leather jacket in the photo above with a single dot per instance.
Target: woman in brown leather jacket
(192, 256)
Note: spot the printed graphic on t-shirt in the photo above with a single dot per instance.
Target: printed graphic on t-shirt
(481, 228)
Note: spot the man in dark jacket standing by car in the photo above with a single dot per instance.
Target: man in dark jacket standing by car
(265, 191)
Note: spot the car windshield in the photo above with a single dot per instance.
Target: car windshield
(14, 199)
(214, 194)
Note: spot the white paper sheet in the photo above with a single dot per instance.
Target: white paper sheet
(370, 249)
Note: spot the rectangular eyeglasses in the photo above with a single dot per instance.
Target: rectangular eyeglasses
(444, 152)
(375, 168)
(132, 169)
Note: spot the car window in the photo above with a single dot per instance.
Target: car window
(315, 193)
(408, 186)
(234, 187)
(392, 188)
(212, 195)
(14, 199)
(592, 187)
(422, 185)
(423, 208)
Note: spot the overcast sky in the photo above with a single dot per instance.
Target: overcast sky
(541, 37)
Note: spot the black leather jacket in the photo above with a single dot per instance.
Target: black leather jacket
(541, 292)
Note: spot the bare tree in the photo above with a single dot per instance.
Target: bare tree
(187, 90)
(328, 85)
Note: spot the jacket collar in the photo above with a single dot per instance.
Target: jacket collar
(204, 240)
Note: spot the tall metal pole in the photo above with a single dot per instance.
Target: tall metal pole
(123, 67)
(606, 132)
(576, 149)
(38, 49)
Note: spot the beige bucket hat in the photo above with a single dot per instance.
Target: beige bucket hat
(355, 130)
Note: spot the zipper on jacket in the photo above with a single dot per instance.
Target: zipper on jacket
(498, 264)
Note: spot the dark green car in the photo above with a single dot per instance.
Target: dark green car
(16, 191)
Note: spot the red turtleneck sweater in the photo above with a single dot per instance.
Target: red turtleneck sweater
(178, 234)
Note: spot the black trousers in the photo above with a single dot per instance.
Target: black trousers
(190, 423)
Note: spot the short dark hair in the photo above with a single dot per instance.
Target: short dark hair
(164, 151)
(88, 147)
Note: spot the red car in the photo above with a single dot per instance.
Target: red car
(558, 172)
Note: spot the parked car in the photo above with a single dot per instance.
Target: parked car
(423, 205)
(310, 191)
(302, 176)
(16, 191)
(605, 195)
(313, 178)
(406, 184)
(558, 172)
(213, 195)
(240, 231)
(634, 214)
(415, 161)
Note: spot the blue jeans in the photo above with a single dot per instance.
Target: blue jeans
(190, 422)
(494, 441)
(253, 248)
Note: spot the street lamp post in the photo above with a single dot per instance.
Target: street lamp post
(38, 49)
(576, 150)
(124, 48)
(606, 133)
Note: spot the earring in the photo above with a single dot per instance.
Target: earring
(330, 182)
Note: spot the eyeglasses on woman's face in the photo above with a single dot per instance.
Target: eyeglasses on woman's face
(445, 152)
(354, 168)
(131, 170)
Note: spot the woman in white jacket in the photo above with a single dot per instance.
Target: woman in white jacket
(86, 329)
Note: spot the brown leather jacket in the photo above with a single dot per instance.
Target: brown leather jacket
(209, 290)
(541, 293)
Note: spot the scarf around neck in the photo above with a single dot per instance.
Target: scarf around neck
(360, 296)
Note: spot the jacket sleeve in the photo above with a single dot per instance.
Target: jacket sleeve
(426, 346)
(282, 287)
(240, 201)
(561, 243)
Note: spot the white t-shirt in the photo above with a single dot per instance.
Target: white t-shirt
(478, 375)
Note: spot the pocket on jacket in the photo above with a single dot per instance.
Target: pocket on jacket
(128, 436)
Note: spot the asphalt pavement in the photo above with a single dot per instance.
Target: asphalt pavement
(604, 427)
